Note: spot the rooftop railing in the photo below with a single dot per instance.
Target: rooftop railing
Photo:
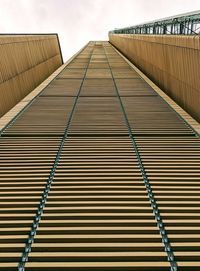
(183, 24)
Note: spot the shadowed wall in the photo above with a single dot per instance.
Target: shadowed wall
(172, 62)
(25, 62)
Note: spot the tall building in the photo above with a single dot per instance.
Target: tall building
(99, 171)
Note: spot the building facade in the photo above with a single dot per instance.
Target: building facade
(26, 61)
(99, 172)
(171, 61)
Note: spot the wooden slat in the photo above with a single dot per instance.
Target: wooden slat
(98, 215)
(26, 61)
(47, 115)
(95, 207)
(179, 77)
(98, 115)
(176, 189)
(15, 184)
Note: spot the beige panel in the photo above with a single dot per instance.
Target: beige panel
(26, 61)
(172, 62)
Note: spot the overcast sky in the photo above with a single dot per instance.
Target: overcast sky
(78, 21)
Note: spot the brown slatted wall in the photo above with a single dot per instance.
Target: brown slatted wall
(98, 211)
(98, 115)
(152, 115)
(171, 61)
(47, 115)
(25, 165)
(172, 165)
(97, 215)
(26, 61)
(28, 151)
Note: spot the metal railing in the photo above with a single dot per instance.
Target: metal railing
(183, 24)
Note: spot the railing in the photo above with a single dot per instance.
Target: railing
(183, 24)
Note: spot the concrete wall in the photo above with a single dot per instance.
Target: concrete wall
(25, 62)
(172, 62)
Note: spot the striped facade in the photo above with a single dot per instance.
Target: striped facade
(171, 61)
(99, 172)
(26, 61)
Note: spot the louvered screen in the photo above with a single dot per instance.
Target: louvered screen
(46, 116)
(172, 166)
(98, 211)
(99, 173)
(26, 163)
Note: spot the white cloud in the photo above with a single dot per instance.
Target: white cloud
(78, 21)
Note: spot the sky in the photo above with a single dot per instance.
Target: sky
(78, 21)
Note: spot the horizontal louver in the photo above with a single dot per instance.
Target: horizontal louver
(112, 169)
